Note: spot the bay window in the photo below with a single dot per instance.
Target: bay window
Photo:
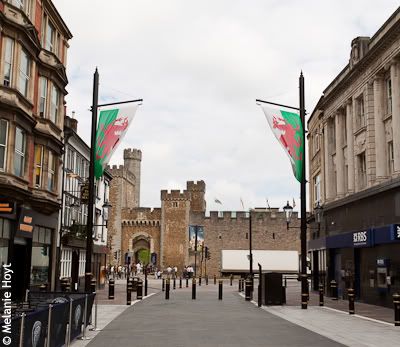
(51, 169)
(43, 96)
(19, 154)
(24, 72)
(54, 104)
(8, 46)
(38, 165)
(3, 143)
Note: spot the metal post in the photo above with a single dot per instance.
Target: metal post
(259, 285)
(194, 288)
(215, 279)
(167, 290)
(95, 314)
(93, 285)
(195, 250)
(49, 326)
(200, 281)
(180, 282)
(111, 284)
(174, 283)
(231, 279)
(145, 282)
(129, 292)
(350, 294)
(89, 231)
(26, 295)
(334, 290)
(251, 252)
(321, 294)
(163, 284)
(22, 330)
(206, 280)
(187, 282)
(396, 304)
(248, 290)
(85, 320)
(303, 229)
(220, 290)
(139, 293)
(69, 322)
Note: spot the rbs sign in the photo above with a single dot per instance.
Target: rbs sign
(360, 238)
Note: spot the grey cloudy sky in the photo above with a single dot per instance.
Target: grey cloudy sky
(199, 66)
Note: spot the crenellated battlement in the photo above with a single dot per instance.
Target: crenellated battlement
(141, 213)
(121, 171)
(175, 195)
(132, 153)
(198, 186)
(257, 214)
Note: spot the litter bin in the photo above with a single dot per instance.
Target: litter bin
(273, 292)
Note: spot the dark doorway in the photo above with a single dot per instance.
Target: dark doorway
(22, 266)
(75, 271)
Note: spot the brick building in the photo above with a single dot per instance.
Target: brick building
(165, 231)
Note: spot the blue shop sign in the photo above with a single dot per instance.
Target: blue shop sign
(396, 231)
(351, 240)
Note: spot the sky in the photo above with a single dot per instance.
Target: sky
(199, 66)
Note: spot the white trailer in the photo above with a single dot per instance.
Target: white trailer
(237, 261)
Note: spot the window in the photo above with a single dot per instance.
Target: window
(50, 36)
(19, 155)
(8, 60)
(23, 5)
(3, 143)
(38, 165)
(362, 171)
(5, 231)
(390, 157)
(40, 264)
(317, 189)
(54, 104)
(43, 96)
(360, 111)
(174, 204)
(51, 172)
(24, 71)
(389, 96)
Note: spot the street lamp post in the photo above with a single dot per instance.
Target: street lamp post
(251, 252)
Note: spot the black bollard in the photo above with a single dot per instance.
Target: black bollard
(231, 278)
(259, 296)
(187, 282)
(92, 285)
(129, 293)
(180, 282)
(240, 285)
(167, 290)
(111, 285)
(220, 290)
(334, 290)
(247, 292)
(396, 304)
(139, 290)
(174, 283)
(194, 289)
(215, 279)
(350, 294)
(206, 280)
(163, 284)
(145, 286)
(321, 294)
(199, 281)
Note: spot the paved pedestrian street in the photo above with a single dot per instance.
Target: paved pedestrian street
(205, 321)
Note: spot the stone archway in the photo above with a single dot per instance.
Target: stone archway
(139, 242)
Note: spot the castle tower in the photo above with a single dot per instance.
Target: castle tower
(175, 209)
(197, 191)
(132, 162)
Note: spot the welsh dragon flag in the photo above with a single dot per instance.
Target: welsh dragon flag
(113, 122)
(287, 128)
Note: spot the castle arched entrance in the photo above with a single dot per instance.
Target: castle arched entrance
(142, 247)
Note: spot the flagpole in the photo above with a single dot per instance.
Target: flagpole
(89, 231)
(303, 226)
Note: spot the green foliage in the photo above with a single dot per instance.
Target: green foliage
(144, 256)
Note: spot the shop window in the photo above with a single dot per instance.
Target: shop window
(40, 262)
(3, 143)
(8, 46)
(19, 155)
(5, 231)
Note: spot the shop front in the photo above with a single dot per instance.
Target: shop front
(366, 260)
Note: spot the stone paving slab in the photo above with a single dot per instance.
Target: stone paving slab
(206, 321)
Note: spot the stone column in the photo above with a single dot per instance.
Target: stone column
(328, 164)
(350, 146)
(339, 154)
(380, 138)
(394, 75)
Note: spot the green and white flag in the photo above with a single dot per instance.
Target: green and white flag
(287, 128)
(113, 122)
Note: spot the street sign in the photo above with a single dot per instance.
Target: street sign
(85, 193)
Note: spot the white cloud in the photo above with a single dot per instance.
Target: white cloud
(199, 66)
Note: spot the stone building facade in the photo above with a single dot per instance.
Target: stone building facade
(354, 157)
(165, 231)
